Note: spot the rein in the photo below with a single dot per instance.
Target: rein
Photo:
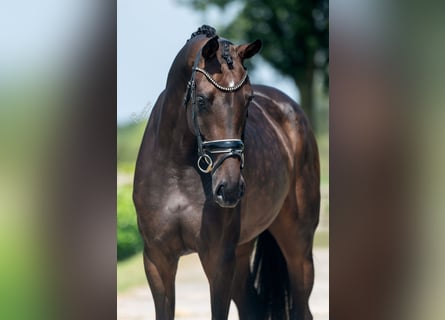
(227, 147)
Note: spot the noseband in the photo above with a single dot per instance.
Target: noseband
(227, 147)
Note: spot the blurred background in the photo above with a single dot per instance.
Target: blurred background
(57, 188)
(294, 59)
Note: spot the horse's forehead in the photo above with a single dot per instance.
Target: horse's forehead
(230, 62)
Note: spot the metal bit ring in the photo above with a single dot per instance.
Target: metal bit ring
(208, 161)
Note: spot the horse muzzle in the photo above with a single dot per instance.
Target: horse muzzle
(224, 159)
(228, 194)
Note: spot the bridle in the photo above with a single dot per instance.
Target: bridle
(227, 147)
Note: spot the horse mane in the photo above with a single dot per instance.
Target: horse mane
(206, 30)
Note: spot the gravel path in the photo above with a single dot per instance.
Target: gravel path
(192, 293)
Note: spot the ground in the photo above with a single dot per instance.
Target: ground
(192, 293)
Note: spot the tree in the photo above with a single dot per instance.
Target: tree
(295, 35)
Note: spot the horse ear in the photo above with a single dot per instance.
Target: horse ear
(246, 51)
(210, 48)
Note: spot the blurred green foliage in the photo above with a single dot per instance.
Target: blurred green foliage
(24, 271)
(323, 149)
(129, 240)
(129, 137)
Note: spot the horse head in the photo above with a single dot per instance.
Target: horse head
(219, 92)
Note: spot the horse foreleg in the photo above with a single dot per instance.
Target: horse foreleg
(243, 290)
(219, 267)
(161, 271)
(218, 242)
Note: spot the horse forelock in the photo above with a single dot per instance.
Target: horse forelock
(226, 53)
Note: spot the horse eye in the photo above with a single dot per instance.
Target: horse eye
(201, 102)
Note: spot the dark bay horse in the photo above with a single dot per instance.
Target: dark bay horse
(229, 170)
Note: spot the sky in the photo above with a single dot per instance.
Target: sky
(149, 35)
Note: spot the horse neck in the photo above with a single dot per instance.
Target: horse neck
(174, 133)
(175, 137)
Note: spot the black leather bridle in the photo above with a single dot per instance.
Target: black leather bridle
(227, 147)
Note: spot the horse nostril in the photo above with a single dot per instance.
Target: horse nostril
(220, 190)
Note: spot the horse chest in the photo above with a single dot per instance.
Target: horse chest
(176, 193)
